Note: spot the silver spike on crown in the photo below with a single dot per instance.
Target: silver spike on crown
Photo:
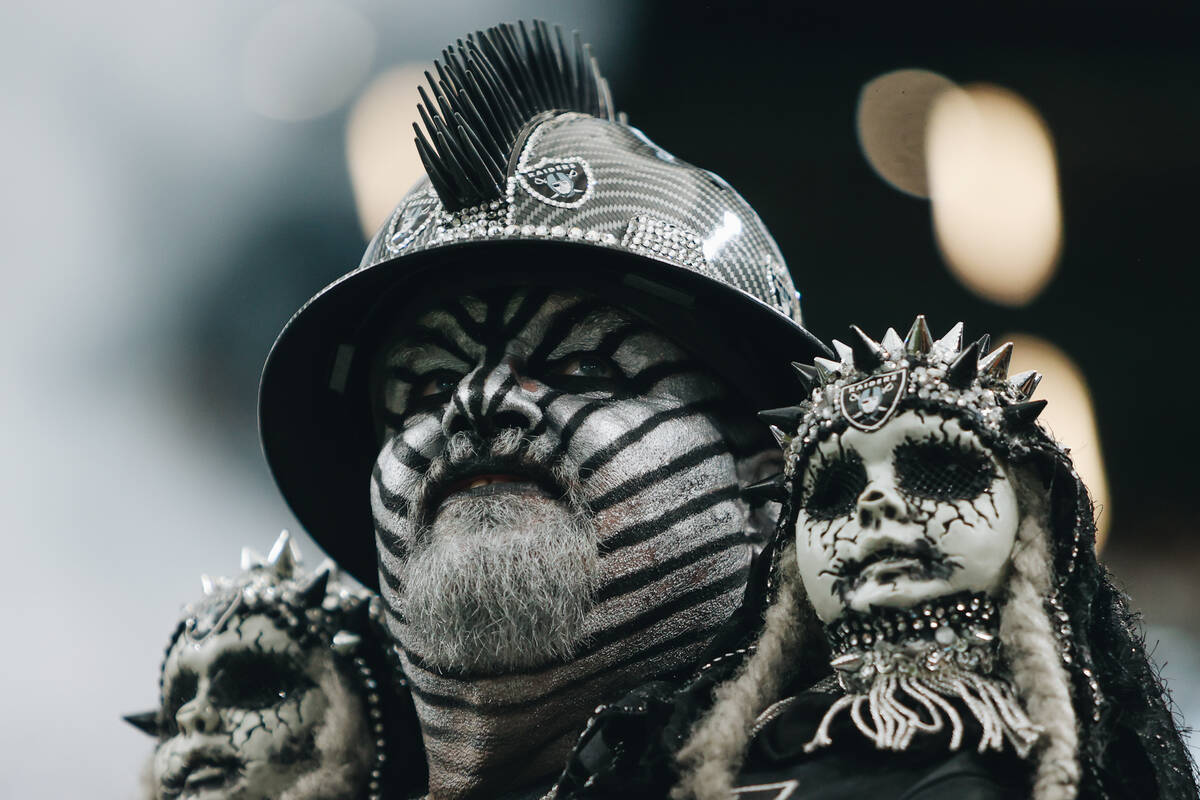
(276, 579)
(940, 371)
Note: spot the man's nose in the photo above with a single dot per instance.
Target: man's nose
(877, 503)
(491, 399)
(198, 715)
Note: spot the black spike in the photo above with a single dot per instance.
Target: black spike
(1020, 415)
(867, 353)
(965, 367)
(806, 375)
(358, 616)
(786, 418)
(313, 595)
(486, 89)
(772, 489)
(144, 721)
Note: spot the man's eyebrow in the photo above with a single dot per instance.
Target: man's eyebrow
(426, 336)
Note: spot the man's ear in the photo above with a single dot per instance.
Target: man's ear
(763, 514)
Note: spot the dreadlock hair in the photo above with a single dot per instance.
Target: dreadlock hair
(713, 753)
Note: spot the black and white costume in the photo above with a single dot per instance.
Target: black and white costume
(523, 373)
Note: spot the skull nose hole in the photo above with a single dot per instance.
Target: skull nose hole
(864, 518)
(889, 512)
(873, 496)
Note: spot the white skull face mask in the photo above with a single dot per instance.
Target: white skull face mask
(249, 714)
(914, 510)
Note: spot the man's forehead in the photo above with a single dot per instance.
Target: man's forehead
(508, 314)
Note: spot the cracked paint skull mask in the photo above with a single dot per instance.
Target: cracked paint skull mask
(243, 712)
(914, 510)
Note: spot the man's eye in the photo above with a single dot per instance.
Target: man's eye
(586, 366)
(442, 383)
(942, 470)
(836, 486)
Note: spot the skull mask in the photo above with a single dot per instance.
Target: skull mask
(916, 509)
(244, 713)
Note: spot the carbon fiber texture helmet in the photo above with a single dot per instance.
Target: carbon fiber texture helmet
(532, 179)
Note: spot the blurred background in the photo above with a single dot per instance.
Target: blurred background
(178, 179)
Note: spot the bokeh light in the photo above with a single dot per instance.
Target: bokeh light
(383, 160)
(305, 58)
(1069, 415)
(893, 111)
(993, 183)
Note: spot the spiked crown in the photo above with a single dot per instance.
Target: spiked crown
(532, 179)
(873, 380)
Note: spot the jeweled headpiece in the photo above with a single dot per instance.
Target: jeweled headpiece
(873, 381)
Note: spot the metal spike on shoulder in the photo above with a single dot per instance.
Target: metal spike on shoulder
(486, 90)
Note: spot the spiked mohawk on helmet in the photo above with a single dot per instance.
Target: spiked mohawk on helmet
(532, 179)
(489, 87)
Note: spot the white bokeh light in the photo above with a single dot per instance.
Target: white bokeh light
(993, 183)
(381, 156)
(1069, 415)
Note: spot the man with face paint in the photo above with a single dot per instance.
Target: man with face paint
(275, 685)
(527, 415)
(941, 545)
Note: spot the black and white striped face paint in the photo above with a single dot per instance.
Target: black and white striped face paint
(557, 512)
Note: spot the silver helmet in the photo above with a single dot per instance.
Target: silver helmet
(531, 178)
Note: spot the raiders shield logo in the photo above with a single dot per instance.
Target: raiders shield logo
(410, 219)
(869, 403)
(565, 182)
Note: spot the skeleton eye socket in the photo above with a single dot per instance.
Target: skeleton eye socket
(254, 681)
(943, 470)
(836, 486)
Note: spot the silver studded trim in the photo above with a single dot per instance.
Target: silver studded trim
(658, 238)
(926, 381)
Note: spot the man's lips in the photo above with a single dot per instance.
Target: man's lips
(483, 482)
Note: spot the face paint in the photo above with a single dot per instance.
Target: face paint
(554, 498)
(243, 710)
(891, 517)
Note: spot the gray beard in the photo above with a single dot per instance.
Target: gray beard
(501, 583)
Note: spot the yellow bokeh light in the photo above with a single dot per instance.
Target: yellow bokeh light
(1069, 415)
(993, 185)
(380, 153)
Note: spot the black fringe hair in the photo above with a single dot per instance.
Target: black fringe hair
(486, 91)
